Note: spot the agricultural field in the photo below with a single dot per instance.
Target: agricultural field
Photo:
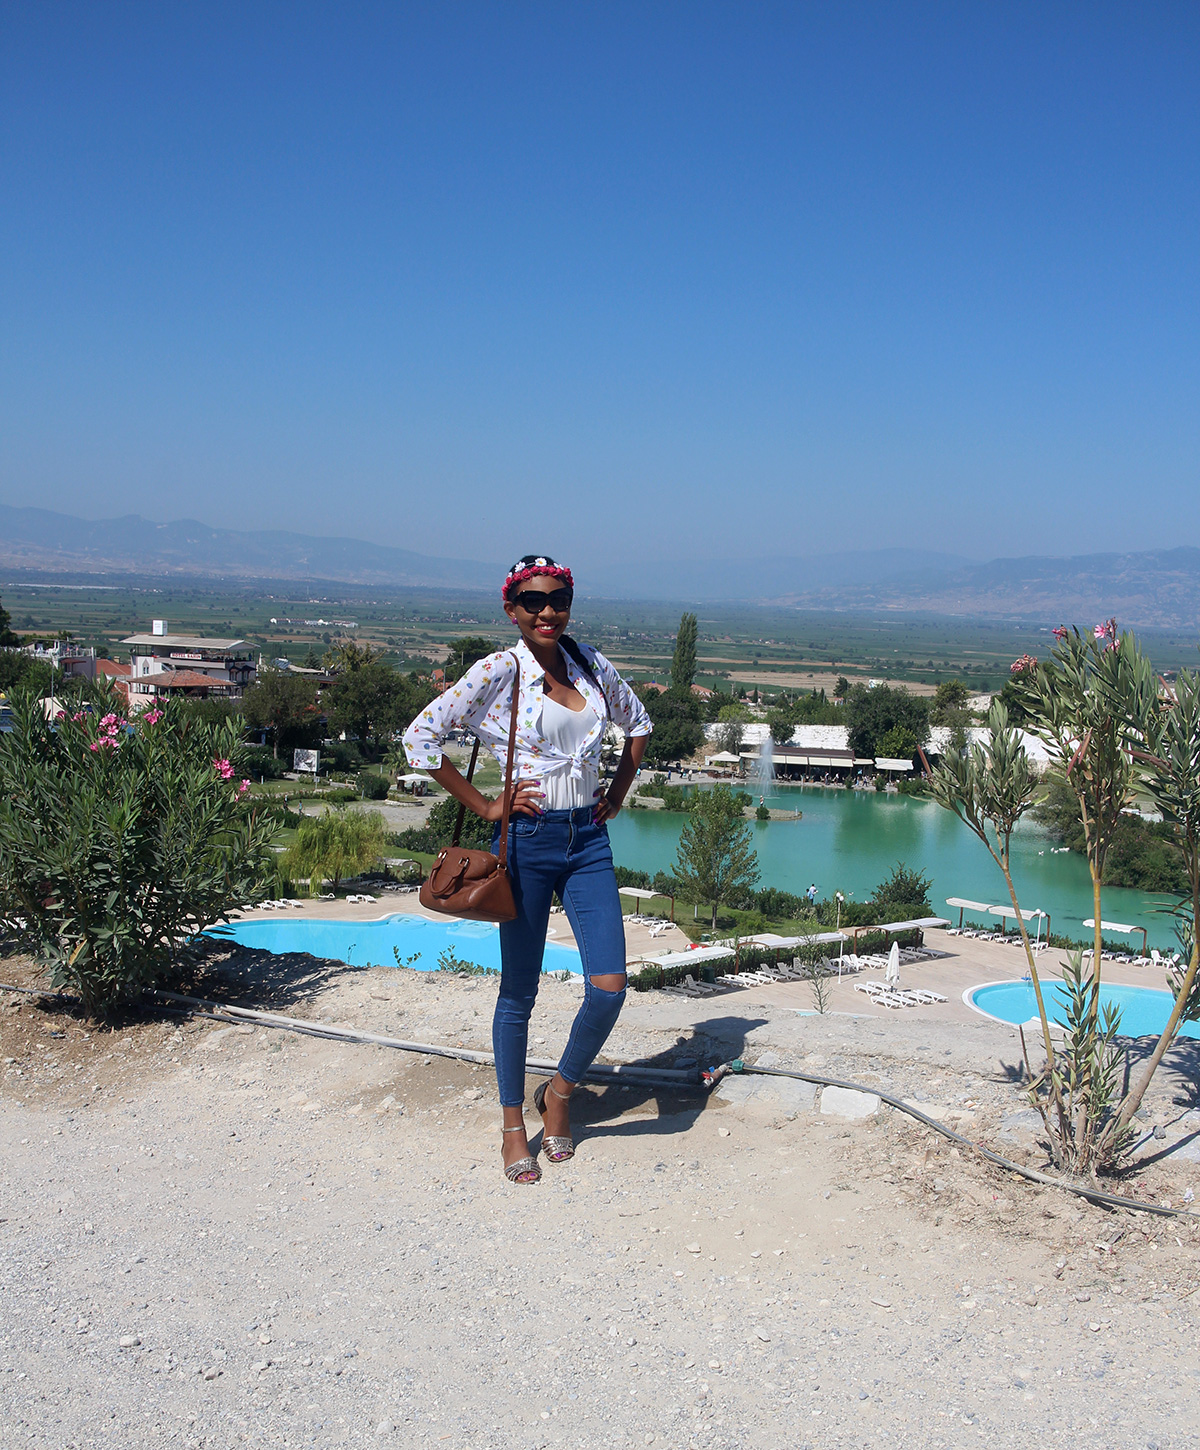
(767, 648)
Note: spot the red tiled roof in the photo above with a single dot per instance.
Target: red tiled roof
(112, 668)
(179, 680)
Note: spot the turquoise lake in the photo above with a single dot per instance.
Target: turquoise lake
(850, 840)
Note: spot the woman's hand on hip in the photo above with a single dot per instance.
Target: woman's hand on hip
(605, 807)
(526, 800)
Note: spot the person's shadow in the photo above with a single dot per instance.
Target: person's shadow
(601, 1110)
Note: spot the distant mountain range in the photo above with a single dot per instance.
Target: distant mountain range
(1156, 589)
(38, 539)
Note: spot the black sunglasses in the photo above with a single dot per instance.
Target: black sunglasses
(533, 601)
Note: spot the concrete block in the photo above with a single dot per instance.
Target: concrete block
(846, 1103)
(777, 1094)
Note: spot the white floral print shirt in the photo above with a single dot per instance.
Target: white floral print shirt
(481, 701)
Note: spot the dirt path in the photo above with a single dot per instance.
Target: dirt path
(216, 1236)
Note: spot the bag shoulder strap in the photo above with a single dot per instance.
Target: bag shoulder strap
(508, 773)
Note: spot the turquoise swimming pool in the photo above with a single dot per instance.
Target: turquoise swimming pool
(1144, 1010)
(371, 943)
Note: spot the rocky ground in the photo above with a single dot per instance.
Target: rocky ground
(216, 1235)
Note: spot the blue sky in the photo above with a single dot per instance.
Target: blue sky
(613, 280)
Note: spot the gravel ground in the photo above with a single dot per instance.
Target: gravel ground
(218, 1235)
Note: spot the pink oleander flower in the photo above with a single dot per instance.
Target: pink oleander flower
(242, 789)
(60, 715)
(1022, 665)
(77, 717)
(1061, 632)
(152, 717)
(108, 721)
(1108, 632)
(223, 768)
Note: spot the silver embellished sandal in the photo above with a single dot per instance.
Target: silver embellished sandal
(556, 1149)
(524, 1170)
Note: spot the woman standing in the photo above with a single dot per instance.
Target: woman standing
(558, 837)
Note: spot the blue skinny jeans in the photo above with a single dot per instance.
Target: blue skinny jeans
(567, 853)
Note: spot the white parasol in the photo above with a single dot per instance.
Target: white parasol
(893, 967)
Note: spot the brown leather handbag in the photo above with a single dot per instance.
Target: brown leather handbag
(475, 884)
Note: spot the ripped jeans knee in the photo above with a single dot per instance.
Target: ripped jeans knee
(596, 1018)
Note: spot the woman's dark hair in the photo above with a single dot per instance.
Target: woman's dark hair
(572, 648)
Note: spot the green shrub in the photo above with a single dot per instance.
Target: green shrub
(438, 830)
(372, 786)
(120, 840)
(260, 764)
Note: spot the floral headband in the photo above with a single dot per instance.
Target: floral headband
(532, 565)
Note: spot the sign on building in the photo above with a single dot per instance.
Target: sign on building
(306, 760)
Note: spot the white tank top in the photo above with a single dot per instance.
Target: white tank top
(566, 730)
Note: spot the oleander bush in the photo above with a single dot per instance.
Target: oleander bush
(121, 838)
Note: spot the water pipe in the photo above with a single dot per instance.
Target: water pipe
(679, 1079)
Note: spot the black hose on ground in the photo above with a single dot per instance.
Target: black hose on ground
(1093, 1195)
(675, 1078)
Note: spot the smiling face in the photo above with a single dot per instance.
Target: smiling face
(547, 625)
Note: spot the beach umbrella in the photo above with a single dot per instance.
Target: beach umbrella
(893, 967)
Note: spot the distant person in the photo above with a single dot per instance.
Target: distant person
(811, 893)
(557, 832)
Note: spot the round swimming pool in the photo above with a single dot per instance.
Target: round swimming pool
(1144, 1010)
(376, 943)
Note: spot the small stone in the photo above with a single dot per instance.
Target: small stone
(258, 1366)
(724, 1132)
(264, 1339)
(862, 1395)
(385, 1427)
(882, 1303)
(1083, 1298)
(129, 1341)
(211, 1372)
(1093, 1326)
(756, 1254)
(692, 1248)
(763, 1335)
(1031, 1300)
(679, 1273)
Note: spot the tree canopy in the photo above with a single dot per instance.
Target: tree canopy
(683, 662)
(870, 713)
(716, 857)
(373, 701)
(8, 640)
(336, 844)
(677, 729)
(286, 706)
(462, 653)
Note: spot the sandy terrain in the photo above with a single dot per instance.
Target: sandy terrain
(216, 1235)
